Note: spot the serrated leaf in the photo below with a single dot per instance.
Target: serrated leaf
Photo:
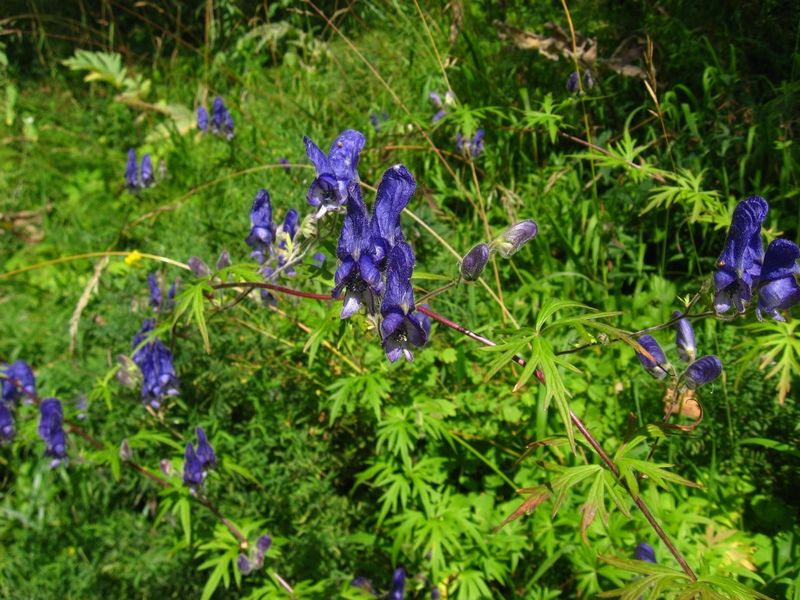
(615, 491)
(537, 495)
(657, 473)
(552, 306)
(184, 510)
(570, 477)
(216, 576)
(555, 389)
(595, 503)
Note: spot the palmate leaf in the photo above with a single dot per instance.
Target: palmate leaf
(536, 496)
(595, 503)
(555, 388)
(656, 472)
(779, 344)
(102, 66)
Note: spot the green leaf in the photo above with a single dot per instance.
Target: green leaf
(568, 479)
(216, 576)
(657, 473)
(184, 509)
(595, 503)
(555, 388)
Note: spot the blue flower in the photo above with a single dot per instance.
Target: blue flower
(573, 84)
(22, 374)
(400, 326)
(394, 193)
(334, 171)
(645, 552)
(365, 584)
(739, 265)
(373, 118)
(155, 363)
(243, 564)
(51, 430)
(263, 544)
(285, 162)
(357, 275)
(778, 289)
(156, 297)
(318, 259)
(684, 342)
(473, 147)
(290, 228)
(657, 368)
(262, 229)
(198, 267)
(398, 584)
(221, 120)
(205, 453)
(147, 179)
(512, 239)
(702, 371)
(132, 171)
(6, 424)
(202, 119)
(193, 472)
(438, 116)
(436, 99)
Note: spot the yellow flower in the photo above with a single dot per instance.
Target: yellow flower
(134, 259)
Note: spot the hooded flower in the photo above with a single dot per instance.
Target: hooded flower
(684, 342)
(198, 267)
(147, 178)
(289, 228)
(474, 262)
(778, 287)
(357, 274)
(132, 171)
(400, 326)
(155, 291)
(155, 363)
(51, 430)
(243, 564)
(6, 424)
(739, 265)
(221, 120)
(645, 553)
(398, 584)
(702, 371)
(193, 472)
(394, 193)
(513, 238)
(657, 369)
(334, 171)
(262, 229)
(202, 119)
(21, 373)
(573, 83)
(205, 453)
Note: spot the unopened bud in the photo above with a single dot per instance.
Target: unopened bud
(166, 468)
(125, 452)
(224, 260)
(702, 371)
(198, 267)
(588, 80)
(243, 564)
(475, 262)
(513, 238)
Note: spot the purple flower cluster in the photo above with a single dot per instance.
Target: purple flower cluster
(220, 122)
(699, 372)
(156, 297)
(255, 561)
(51, 430)
(197, 463)
(376, 263)
(136, 179)
(155, 363)
(19, 385)
(745, 270)
(473, 147)
(335, 170)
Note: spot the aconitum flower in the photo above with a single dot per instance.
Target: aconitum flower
(202, 119)
(155, 291)
(155, 363)
(657, 368)
(221, 120)
(21, 373)
(198, 267)
(588, 80)
(358, 274)
(334, 171)
(645, 552)
(263, 544)
(573, 83)
(438, 116)
(243, 564)
(288, 229)
(513, 238)
(51, 430)
(778, 289)
(6, 424)
(739, 265)
(684, 342)
(473, 147)
(147, 178)
(205, 453)
(193, 472)
(702, 371)
(365, 584)
(474, 262)
(398, 584)
(132, 171)
(436, 99)
(394, 193)
(228, 125)
(400, 326)
(262, 229)
(224, 260)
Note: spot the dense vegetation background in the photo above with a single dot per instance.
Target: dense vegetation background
(355, 466)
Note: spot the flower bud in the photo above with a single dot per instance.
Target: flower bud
(657, 368)
(702, 371)
(513, 238)
(263, 543)
(198, 267)
(166, 468)
(573, 83)
(645, 552)
(243, 564)
(474, 262)
(125, 452)
(684, 343)
(224, 260)
(588, 80)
